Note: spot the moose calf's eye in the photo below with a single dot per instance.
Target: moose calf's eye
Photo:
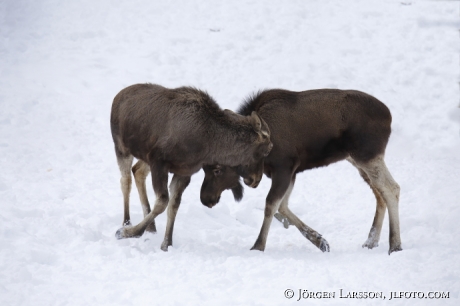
(217, 172)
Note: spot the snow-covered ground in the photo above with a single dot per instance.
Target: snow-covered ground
(61, 64)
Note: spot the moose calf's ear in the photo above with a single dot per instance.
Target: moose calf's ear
(256, 123)
(266, 130)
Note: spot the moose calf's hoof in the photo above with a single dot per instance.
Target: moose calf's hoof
(258, 248)
(164, 247)
(394, 249)
(324, 245)
(370, 244)
(123, 233)
(166, 243)
(120, 234)
(283, 220)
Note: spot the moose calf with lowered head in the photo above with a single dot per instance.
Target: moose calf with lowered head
(311, 129)
(176, 131)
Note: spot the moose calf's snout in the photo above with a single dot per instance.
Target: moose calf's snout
(251, 182)
(210, 202)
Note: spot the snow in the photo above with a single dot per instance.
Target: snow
(61, 64)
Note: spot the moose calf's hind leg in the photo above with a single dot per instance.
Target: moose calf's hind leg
(389, 190)
(124, 163)
(140, 171)
(160, 186)
(374, 233)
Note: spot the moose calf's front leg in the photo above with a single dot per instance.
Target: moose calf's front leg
(176, 188)
(306, 231)
(270, 210)
(280, 184)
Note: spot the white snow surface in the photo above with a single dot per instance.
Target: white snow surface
(61, 64)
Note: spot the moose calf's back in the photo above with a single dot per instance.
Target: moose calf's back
(325, 124)
(149, 118)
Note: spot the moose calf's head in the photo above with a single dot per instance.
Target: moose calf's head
(253, 136)
(218, 178)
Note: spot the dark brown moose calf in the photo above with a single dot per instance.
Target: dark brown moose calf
(312, 129)
(176, 131)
